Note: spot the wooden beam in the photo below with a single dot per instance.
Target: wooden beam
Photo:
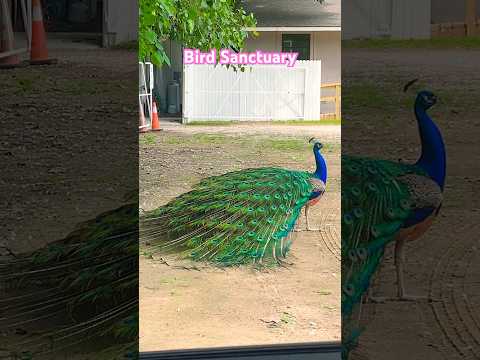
(471, 16)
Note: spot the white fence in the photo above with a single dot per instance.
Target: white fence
(6, 25)
(262, 92)
(145, 88)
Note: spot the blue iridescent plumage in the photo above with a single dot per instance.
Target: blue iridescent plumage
(387, 202)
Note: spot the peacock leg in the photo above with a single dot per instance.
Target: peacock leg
(399, 267)
(307, 223)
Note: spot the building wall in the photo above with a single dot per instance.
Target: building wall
(166, 74)
(446, 11)
(325, 46)
(118, 27)
(397, 19)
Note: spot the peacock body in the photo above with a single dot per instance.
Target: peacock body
(386, 202)
(240, 217)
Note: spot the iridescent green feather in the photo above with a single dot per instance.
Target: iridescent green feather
(374, 206)
(91, 276)
(236, 218)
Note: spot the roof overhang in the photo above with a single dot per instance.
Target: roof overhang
(295, 28)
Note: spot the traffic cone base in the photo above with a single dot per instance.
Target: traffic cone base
(142, 123)
(44, 62)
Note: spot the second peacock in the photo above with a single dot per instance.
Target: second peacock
(387, 202)
(240, 217)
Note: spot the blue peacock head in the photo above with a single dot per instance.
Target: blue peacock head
(425, 100)
(321, 171)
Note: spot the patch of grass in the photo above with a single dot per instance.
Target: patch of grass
(323, 292)
(174, 140)
(307, 122)
(276, 122)
(212, 123)
(287, 318)
(435, 43)
(363, 95)
(284, 144)
(211, 139)
(147, 139)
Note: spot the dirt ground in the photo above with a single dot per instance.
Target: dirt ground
(205, 307)
(59, 164)
(57, 156)
(445, 263)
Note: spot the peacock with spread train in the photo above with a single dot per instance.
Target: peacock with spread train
(240, 217)
(387, 202)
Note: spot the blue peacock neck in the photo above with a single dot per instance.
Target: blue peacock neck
(321, 171)
(433, 158)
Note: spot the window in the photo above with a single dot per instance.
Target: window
(297, 43)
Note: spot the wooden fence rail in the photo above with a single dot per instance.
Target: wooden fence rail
(335, 98)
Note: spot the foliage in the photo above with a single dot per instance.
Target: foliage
(200, 24)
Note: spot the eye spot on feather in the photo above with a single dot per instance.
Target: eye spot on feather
(352, 255)
(362, 253)
(358, 213)
(259, 239)
(240, 239)
(353, 168)
(355, 191)
(405, 204)
(349, 289)
(348, 219)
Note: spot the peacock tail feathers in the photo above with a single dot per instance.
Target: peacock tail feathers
(90, 277)
(375, 204)
(237, 218)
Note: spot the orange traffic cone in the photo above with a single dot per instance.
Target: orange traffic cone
(39, 51)
(142, 123)
(7, 39)
(155, 120)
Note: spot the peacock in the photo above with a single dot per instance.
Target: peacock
(76, 292)
(387, 202)
(241, 217)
